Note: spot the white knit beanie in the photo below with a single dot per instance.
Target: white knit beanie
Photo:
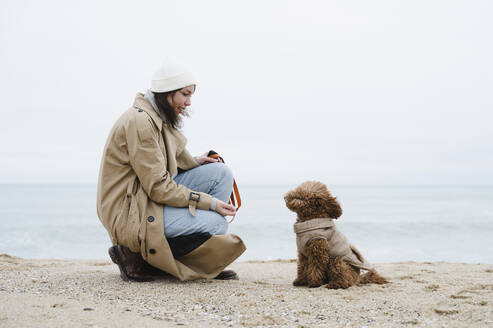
(171, 76)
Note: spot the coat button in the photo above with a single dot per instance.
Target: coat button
(152, 251)
(150, 219)
(140, 110)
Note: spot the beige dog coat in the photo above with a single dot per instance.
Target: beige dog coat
(324, 228)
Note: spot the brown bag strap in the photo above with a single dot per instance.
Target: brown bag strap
(235, 198)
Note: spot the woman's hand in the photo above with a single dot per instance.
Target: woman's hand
(225, 209)
(204, 159)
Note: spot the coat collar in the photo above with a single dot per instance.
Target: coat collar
(313, 224)
(141, 103)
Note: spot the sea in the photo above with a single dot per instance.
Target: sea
(386, 223)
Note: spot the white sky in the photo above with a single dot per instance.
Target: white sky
(346, 92)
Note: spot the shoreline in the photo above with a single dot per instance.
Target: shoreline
(90, 293)
(4, 256)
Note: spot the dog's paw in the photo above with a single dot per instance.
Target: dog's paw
(314, 284)
(338, 285)
(300, 282)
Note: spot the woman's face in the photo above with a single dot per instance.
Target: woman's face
(180, 100)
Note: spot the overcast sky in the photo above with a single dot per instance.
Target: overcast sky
(346, 92)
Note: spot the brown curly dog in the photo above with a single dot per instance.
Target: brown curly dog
(324, 254)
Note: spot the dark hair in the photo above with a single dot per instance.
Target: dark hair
(166, 112)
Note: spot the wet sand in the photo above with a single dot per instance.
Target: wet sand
(76, 293)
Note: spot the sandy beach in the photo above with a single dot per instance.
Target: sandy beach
(76, 293)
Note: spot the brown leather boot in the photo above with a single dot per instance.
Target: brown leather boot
(132, 265)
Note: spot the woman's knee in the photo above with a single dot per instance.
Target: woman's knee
(223, 172)
(218, 172)
(220, 227)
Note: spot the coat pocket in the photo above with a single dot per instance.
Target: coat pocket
(128, 222)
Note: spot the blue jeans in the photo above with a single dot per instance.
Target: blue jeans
(215, 179)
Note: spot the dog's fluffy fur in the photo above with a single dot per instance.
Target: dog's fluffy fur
(312, 200)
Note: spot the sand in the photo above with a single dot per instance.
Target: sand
(76, 293)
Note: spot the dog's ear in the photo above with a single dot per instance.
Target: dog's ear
(319, 190)
(293, 202)
(333, 207)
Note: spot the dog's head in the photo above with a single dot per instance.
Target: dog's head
(312, 199)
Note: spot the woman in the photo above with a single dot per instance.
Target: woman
(159, 204)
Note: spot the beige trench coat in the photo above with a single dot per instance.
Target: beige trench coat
(136, 179)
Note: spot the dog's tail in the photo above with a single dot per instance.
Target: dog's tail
(372, 277)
